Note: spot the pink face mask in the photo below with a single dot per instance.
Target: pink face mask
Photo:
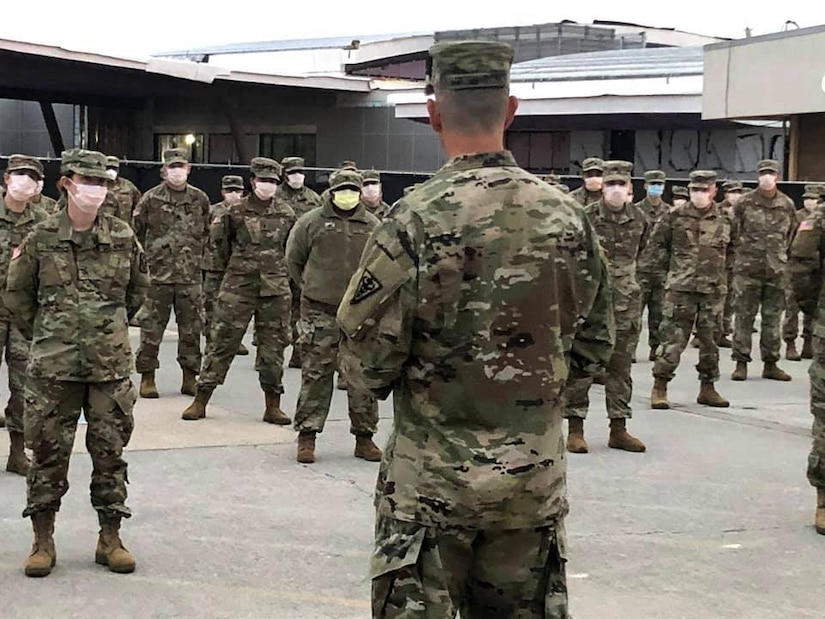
(88, 198)
(22, 187)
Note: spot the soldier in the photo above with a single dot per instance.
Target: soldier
(248, 242)
(18, 215)
(473, 330)
(680, 195)
(623, 230)
(46, 204)
(72, 287)
(322, 254)
(591, 190)
(651, 279)
(172, 223)
(124, 193)
(763, 225)
(371, 194)
(232, 191)
(692, 244)
(733, 191)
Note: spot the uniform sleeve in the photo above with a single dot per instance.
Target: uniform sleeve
(377, 310)
(297, 251)
(140, 218)
(218, 249)
(138, 281)
(661, 240)
(806, 261)
(22, 284)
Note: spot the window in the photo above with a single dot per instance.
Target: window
(222, 148)
(192, 142)
(279, 145)
(541, 151)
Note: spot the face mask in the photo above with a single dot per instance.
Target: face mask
(679, 201)
(296, 180)
(88, 198)
(615, 195)
(265, 191)
(655, 191)
(700, 199)
(593, 183)
(733, 198)
(346, 199)
(810, 203)
(22, 187)
(177, 176)
(767, 182)
(371, 193)
(232, 197)
(39, 187)
(112, 174)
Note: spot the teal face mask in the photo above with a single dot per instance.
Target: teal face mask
(655, 191)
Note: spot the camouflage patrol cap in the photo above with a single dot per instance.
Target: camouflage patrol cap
(655, 176)
(731, 185)
(175, 155)
(84, 162)
(410, 188)
(767, 165)
(371, 176)
(231, 181)
(466, 65)
(551, 179)
(24, 162)
(345, 178)
(348, 164)
(814, 191)
(592, 163)
(264, 167)
(562, 187)
(292, 163)
(702, 179)
(112, 162)
(617, 170)
(680, 190)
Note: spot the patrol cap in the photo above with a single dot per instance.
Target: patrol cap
(551, 179)
(348, 164)
(617, 170)
(655, 176)
(702, 179)
(84, 162)
(231, 181)
(112, 162)
(371, 176)
(814, 191)
(469, 65)
(410, 188)
(731, 185)
(562, 187)
(592, 163)
(175, 155)
(291, 164)
(24, 162)
(680, 190)
(345, 178)
(264, 167)
(768, 165)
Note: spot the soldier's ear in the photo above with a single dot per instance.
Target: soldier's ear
(512, 108)
(435, 115)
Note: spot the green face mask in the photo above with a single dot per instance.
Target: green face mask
(346, 199)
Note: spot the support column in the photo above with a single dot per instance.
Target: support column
(52, 127)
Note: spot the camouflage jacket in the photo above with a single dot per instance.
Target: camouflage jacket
(324, 248)
(693, 247)
(13, 229)
(173, 227)
(301, 200)
(209, 262)
(126, 195)
(110, 206)
(379, 210)
(248, 242)
(74, 293)
(807, 267)
(762, 234)
(647, 260)
(46, 204)
(622, 236)
(584, 197)
(475, 298)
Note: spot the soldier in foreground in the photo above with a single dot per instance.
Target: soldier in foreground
(465, 307)
(72, 287)
(591, 189)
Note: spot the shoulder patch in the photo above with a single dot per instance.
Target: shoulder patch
(367, 287)
(808, 224)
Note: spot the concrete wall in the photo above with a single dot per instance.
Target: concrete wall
(23, 130)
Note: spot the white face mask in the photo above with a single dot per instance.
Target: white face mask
(767, 182)
(615, 195)
(39, 187)
(295, 180)
(112, 174)
(232, 197)
(593, 183)
(679, 201)
(733, 198)
(265, 191)
(700, 199)
(810, 203)
(177, 176)
(22, 187)
(88, 198)
(371, 193)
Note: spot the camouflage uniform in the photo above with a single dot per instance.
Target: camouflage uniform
(582, 195)
(173, 226)
(726, 324)
(46, 204)
(380, 208)
(322, 253)
(762, 229)
(73, 294)
(475, 297)
(122, 191)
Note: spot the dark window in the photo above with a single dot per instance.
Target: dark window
(541, 151)
(623, 145)
(279, 145)
(222, 148)
(192, 142)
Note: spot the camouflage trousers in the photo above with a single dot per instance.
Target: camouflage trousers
(428, 573)
(653, 293)
(296, 311)
(751, 294)
(816, 459)
(790, 325)
(726, 318)
(52, 411)
(186, 299)
(618, 385)
(211, 286)
(682, 311)
(231, 318)
(17, 355)
(319, 359)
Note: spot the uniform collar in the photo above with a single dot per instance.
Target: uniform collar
(471, 161)
(100, 229)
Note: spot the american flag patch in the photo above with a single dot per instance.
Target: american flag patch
(16, 253)
(808, 224)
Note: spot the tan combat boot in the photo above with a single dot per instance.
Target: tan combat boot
(771, 371)
(341, 383)
(43, 555)
(366, 449)
(18, 462)
(110, 550)
(575, 436)
(306, 447)
(620, 438)
(791, 353)
(710, 397)
(243, 351)
(658, 395)
(807, 348)
(273, 412)
(189, 385)
(197, 409)
(148, 389)
(819, 523)
(741, 371)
